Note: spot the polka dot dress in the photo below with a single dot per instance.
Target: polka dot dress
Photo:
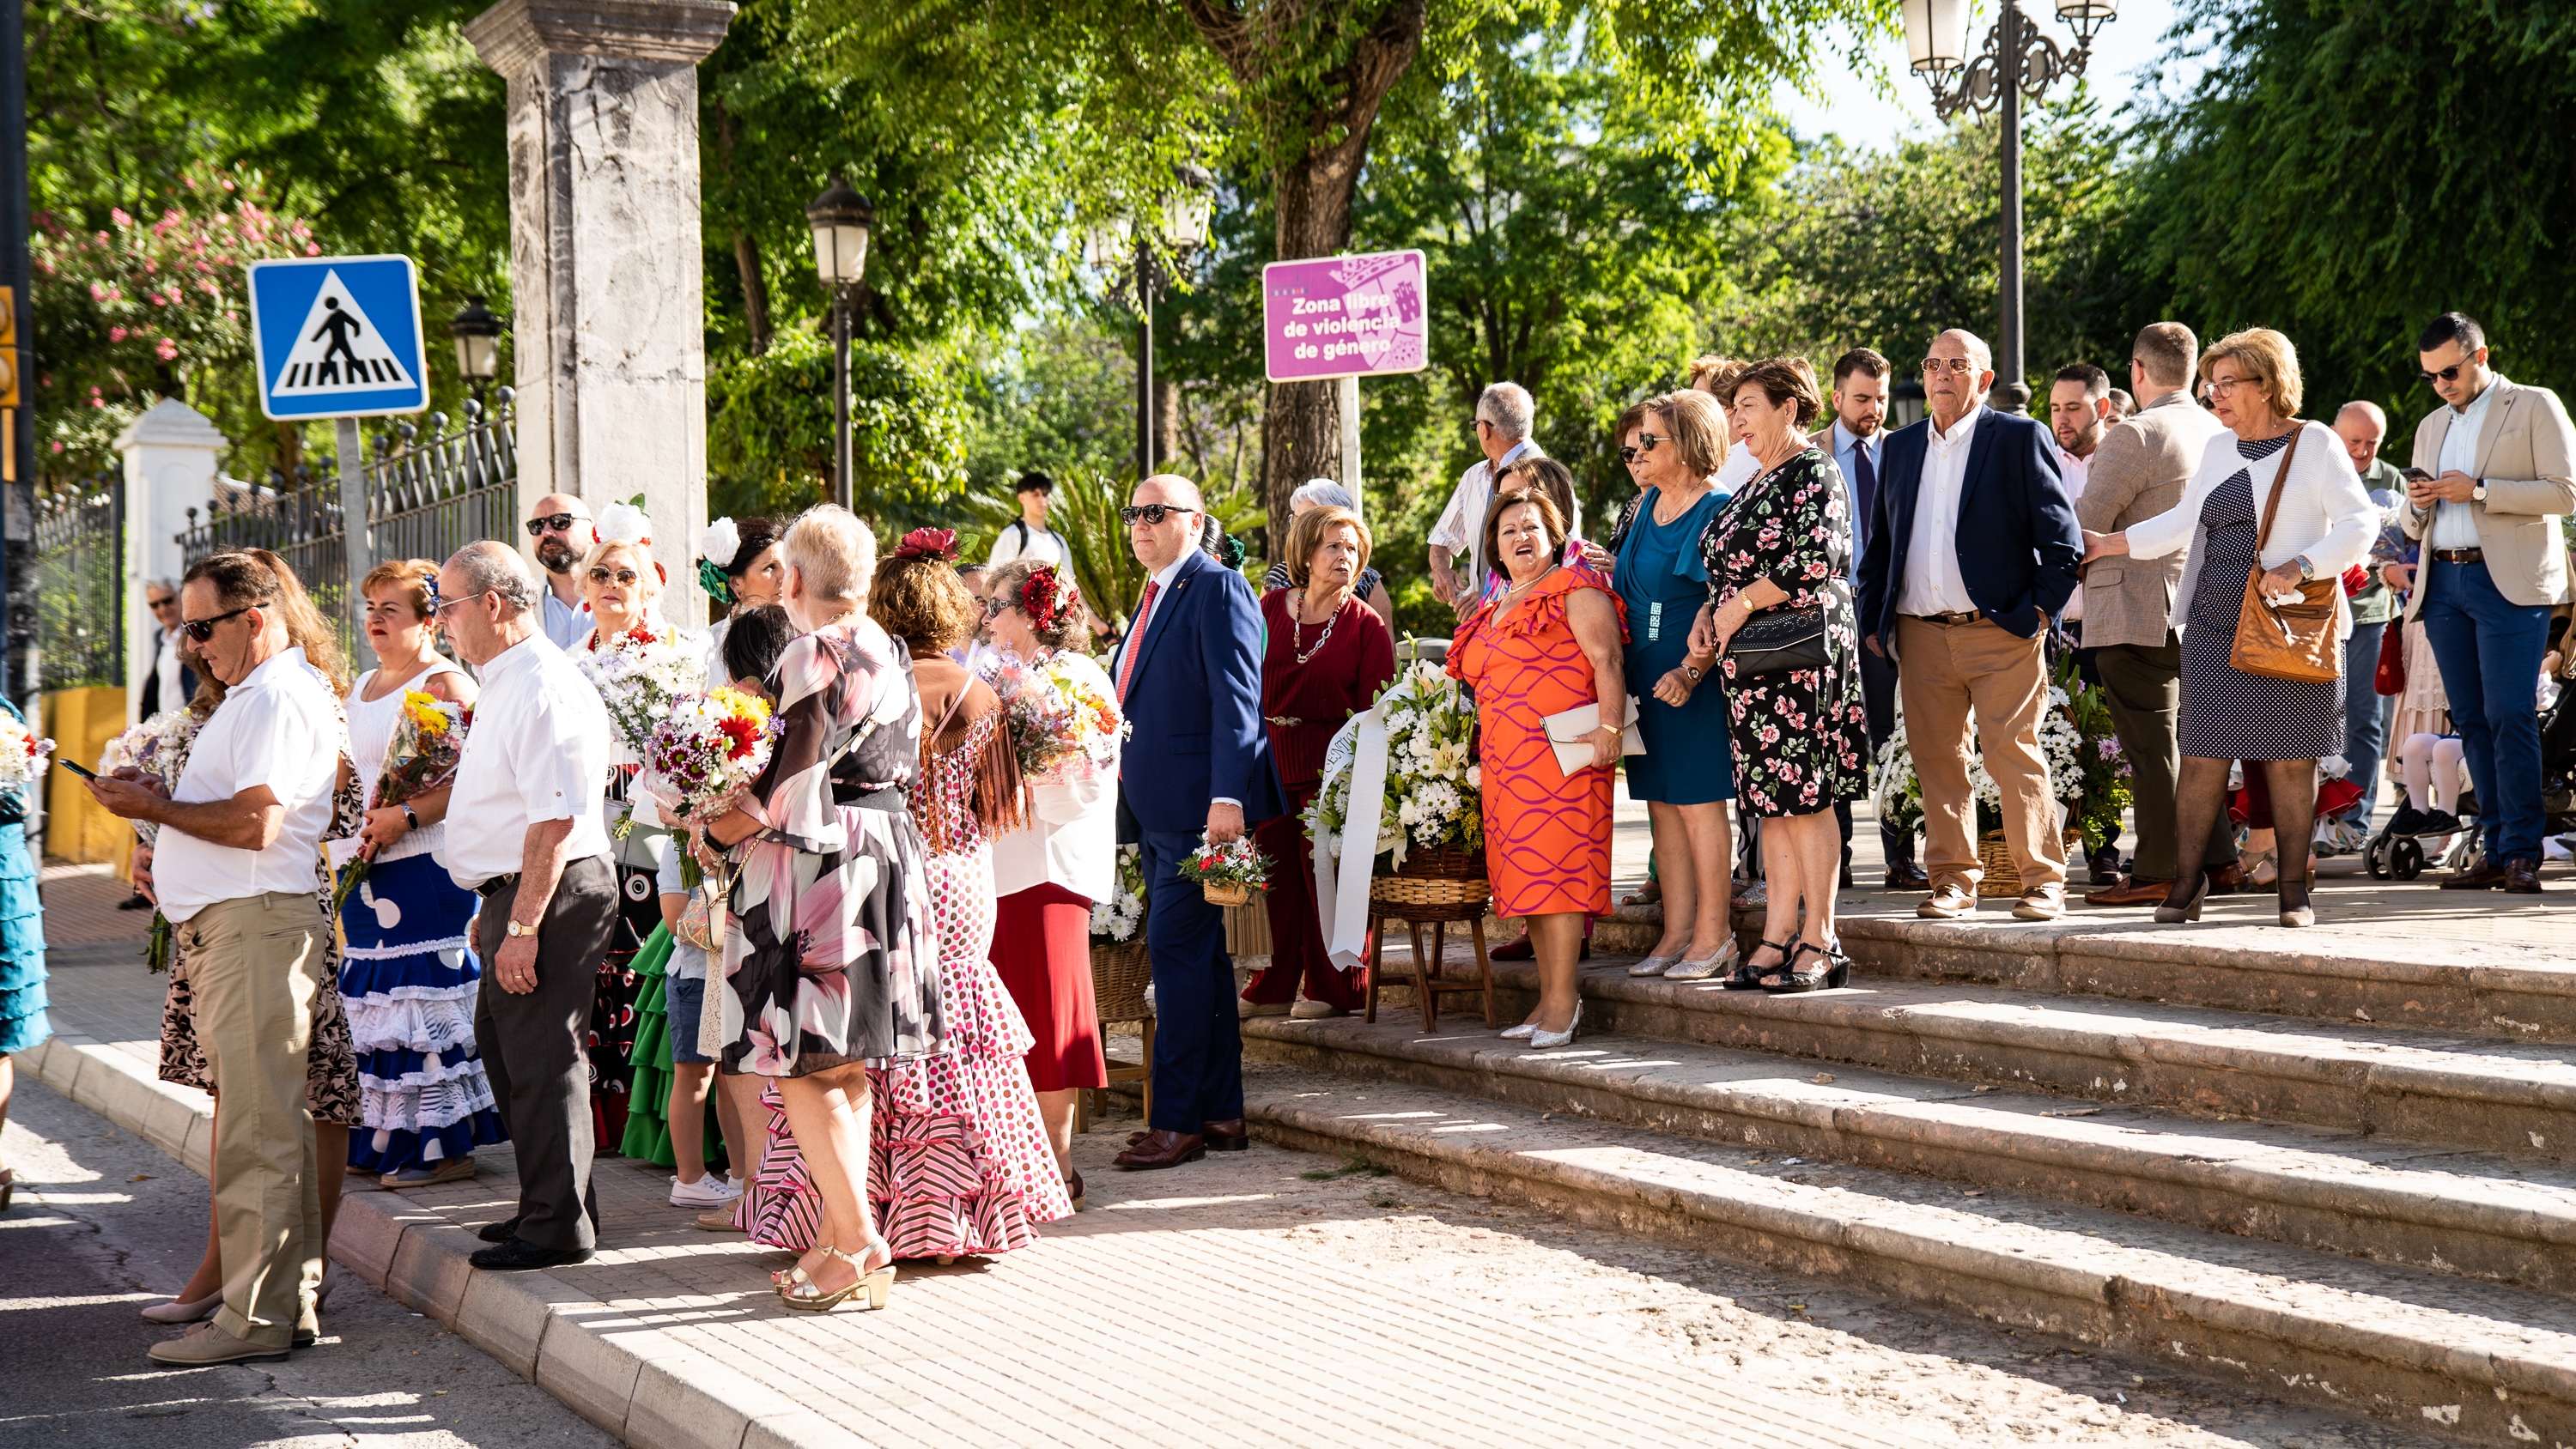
(2228, 714)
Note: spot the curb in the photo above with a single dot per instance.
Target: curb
(635, 1382)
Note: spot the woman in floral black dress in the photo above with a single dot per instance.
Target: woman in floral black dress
(1801, 738)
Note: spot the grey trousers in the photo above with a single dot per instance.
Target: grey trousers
(532, 1051)
(2144, 689)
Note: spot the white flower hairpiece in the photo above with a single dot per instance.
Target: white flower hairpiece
(719, 541)
(626, 523)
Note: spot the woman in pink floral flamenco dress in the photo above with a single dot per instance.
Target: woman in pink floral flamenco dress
(959, 1163)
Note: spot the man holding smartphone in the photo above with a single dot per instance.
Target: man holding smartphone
(2492, 476)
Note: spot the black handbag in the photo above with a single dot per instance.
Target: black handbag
(1781, 641)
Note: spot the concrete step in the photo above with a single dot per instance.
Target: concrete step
(2477, 1215)
(2452, 1089)
(2478, 1363)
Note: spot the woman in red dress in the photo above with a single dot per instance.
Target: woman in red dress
(1328, 656)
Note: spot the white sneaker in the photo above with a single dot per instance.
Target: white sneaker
(708, 1191)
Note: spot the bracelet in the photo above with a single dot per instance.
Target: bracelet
(409, 817)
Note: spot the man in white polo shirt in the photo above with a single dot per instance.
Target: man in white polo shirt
(525, 832)
(234, 873)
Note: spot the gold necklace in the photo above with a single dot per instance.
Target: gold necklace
(1297, 630)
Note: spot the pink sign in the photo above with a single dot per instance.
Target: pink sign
(1346, 316)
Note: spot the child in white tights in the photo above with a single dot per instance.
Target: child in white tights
(2435, 777)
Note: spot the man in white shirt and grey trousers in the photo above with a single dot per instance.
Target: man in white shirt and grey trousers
(525, 832)
(234, 875)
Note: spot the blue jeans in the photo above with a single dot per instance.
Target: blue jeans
(2365, 729)
(1198, 1033)
(2489, 650)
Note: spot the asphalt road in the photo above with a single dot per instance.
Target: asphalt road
(106, 1224)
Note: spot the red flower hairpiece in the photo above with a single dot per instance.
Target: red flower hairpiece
(939, 544)
(1047, 597)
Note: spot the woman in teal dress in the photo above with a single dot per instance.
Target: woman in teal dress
(1687, 773)
(22, 953)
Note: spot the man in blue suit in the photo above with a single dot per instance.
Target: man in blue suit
(1974, 551)
(1189, 678)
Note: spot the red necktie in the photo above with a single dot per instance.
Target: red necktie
(1136, 639)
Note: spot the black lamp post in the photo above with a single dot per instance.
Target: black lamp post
(2017, 61)
(478, 345)
(1120, 246)
(841, 219)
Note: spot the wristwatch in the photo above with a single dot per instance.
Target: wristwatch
(2478, 492)
(1694, 671)
(409, 818)
(518, 930)
(2307, 570)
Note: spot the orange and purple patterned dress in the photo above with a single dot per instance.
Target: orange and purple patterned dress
(1547, 838)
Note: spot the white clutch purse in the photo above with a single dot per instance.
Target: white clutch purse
(1570, 735)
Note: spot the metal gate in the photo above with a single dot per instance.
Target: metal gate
(80, 586)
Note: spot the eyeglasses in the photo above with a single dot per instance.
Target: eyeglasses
(1151, 513)
(202, 630)
(544, 524)
(1645, 444)
(439, 609)
(164, 602)
(1957, 366)
(2217, 387)
(2448, 374)
(625, 577)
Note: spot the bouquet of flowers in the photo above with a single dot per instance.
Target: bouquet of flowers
(2088, 775)
(1121, 916)
(429, 740)
(1432, 778)
(158, 749)
(1063, 725)
(640, 675)
(22, 752)
(1228, 874)
(707, 751)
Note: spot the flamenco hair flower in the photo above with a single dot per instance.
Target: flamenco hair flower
(626, 523)
(719, 541)
(1046, 597)
(936, 544)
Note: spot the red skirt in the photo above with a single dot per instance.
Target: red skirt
(1042, 950)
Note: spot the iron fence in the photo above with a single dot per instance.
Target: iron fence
(80, 578)
(426, 498)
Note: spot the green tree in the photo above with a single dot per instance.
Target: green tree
(2343, 172)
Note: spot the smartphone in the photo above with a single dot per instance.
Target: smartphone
(84, 771)
(2415, 475)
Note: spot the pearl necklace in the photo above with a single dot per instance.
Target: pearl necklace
(1297, 630)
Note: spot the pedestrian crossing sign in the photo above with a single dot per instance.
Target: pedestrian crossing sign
(338, 337)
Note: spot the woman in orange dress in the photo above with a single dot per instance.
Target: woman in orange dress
(1548, 642)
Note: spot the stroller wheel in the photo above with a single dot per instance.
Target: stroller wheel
(2374, 857)
(2407, 858)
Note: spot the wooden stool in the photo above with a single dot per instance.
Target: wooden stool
(1120, 972)
(1432, 888)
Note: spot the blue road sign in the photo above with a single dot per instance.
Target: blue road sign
(338, 337)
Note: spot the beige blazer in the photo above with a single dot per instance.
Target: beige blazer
(2523, 458)
(2139, 472)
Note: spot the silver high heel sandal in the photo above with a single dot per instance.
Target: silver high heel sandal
(1651, 966)
(1722, 960)
(1520, 1032)
(1544, 1040)
(799, 1292)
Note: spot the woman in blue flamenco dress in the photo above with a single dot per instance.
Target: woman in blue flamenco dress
(22, 953)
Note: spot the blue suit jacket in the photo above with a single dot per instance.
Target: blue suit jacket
(1195, 702)
(2019, 547)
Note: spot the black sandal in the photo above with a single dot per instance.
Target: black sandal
(1835, 972)
(1748, 977)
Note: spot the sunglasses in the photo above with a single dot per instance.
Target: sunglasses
(539, 527)
(202, 630)
(2448, 374)
(165, 602)
(1151, 513)
(1645, 444)
(625, 577)
(1958, 365)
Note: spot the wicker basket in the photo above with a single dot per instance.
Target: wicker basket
(1434, 885)
(2002, 877)
(1120, 972)
(1226, 892)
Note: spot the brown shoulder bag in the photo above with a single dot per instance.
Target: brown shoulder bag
(2286, 641)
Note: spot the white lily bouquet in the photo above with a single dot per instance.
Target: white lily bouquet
(1433, 782)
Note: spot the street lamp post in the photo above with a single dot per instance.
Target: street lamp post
(841, 219)
(478, 345)
(2017, 61)
(1183, 223)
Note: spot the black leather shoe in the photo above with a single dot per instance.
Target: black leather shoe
(500, 1232)
(516, 1254)
(2521, 878)
(2484, 878)
(1905, 875)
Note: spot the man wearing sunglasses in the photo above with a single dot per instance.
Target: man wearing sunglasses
(1188, 676)
(1504, 416)
(170, 683)
(2490, 482)
(233, 869)
(562, 535)
(1976, 550)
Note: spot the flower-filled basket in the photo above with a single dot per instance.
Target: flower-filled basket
(1430, 840)
(1120, 969)
(1228, 874)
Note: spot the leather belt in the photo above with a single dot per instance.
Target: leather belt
(497, 884)
(2459, 555)
(1964, 616)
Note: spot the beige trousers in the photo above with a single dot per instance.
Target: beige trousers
(253, 964)
(1944, 674)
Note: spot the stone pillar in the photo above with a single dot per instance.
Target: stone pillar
(605, 263)
(170, 455)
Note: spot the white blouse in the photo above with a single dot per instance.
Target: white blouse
(371, 738)
(2325, 514)
(1071, 839)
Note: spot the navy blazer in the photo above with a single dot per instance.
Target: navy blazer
(1195, 704)
(2019, 548)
